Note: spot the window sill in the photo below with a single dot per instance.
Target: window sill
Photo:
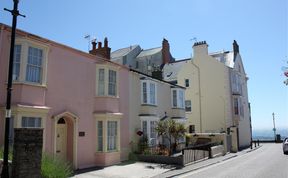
(153, 105)
(107, 96)
(29, 84)
(178, 108)
(108, 151)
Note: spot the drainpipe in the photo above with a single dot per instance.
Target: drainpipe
(1, 37)
(199, 90)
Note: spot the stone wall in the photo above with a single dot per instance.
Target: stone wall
(27, 153)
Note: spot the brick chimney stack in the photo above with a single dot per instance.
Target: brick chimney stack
(166, 57)
(101, 51)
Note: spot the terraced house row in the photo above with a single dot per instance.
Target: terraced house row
(90, 108)
(92, 105)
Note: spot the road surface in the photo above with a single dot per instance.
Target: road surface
(265, 162)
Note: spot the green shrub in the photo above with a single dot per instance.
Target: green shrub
(55, 168)
(10, 154)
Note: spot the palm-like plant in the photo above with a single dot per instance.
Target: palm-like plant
(171, 130)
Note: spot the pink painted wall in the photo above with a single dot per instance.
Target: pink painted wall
(70, 87)
(107, 159)
(124, 123)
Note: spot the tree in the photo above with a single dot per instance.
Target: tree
(170, 130)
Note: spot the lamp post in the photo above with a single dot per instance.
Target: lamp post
(274, 129)
(15, 13)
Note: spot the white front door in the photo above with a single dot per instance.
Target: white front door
(61, 141)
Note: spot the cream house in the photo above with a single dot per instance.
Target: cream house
(210, 101)
(150, 101)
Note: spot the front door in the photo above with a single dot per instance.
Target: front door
(61, 139)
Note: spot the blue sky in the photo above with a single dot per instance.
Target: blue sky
(259, 26)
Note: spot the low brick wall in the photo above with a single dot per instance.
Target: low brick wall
(27, 153)
(161, 159)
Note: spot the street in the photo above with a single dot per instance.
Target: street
(265, 162)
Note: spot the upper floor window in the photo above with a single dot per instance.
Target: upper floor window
(188, 107)
(112, 83)
(29, 62)
(236, 84)
(148, 92)
(106, 82)
(124, 60)
(187, 84)
(16, 62)
(34, 65)
(238, 106)
(178, 98)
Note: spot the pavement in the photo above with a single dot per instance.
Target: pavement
(152, 170)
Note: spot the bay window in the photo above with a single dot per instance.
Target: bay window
(30, 62)
(108, 132)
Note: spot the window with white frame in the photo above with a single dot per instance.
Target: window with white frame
(107, 135)
(34, 65)
(149, 92)
(101, 82)
(16, 62)
(30, 62)
(111, 135)
(178, 98)
(188, 106)
(100, 135)
(238, 106)
(106, 82)
(148, 128)
(236, 83)
(31, 122)
(112, 83)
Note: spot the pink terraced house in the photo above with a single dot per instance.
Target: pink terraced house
(79, 99)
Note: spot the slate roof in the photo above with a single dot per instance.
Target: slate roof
(149, 52)
(123, 51)
(226, 57)
(171, 70)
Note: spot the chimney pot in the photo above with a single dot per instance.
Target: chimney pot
(99, 45)
(106, 42)
(93, 45)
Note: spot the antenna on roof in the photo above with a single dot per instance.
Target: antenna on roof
(193, 39)
(88, 38)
